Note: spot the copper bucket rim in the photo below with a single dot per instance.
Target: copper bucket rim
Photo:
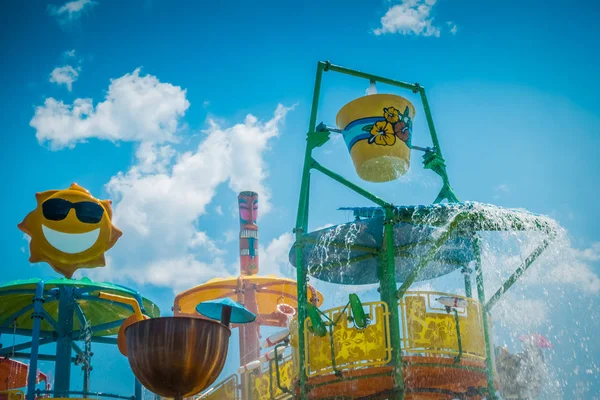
(212, 321)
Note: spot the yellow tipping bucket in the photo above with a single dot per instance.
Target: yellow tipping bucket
(377, 129)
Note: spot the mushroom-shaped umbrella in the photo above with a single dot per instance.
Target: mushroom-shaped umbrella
(438, 234)
(226, 310)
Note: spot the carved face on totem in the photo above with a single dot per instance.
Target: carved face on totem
(248, 202)
(248, 205)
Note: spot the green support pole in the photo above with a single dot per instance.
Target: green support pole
(387, 283)
(466, 271)
(429, 255)
(348, 184)
(301, 227)
(429, 118)
(517, 274)
(486, 333)
(370, 77)
(436, 162)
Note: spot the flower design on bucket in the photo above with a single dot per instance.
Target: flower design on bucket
(394, 125)
(391, 115)
(401, 130)
(382, 133)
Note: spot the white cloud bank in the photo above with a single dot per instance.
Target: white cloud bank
(136, 108)
(159, 200)
(411, 17)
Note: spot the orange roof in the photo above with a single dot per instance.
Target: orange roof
(13, 374)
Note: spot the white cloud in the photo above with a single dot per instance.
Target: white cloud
(136, 108)
(410, 17)
(159, 202)
(65, 75)
(27, 238)
(181, 273)
(567, 266)
(274, 258)
(501, 188)
(327, 225)
(230, 236)
(453, 27)
(71, 11)
(69, 53)
(200, 240)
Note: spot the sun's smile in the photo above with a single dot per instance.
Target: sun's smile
(71, 243)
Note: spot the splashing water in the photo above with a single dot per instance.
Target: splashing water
(557, 295)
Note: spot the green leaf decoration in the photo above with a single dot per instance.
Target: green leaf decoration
(367, 128)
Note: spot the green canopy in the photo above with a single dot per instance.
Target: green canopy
(93, 315)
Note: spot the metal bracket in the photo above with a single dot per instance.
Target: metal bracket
(39, 315)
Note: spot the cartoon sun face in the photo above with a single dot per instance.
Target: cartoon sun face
(70, 229)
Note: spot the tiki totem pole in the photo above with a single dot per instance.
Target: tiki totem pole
(248, 203)
(249, 333)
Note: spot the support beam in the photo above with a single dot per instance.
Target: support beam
(466, 271)
(38, 300)
(301, 227)
(489, 351)
(7, 351)
(349, 184)
(66, 312)
(104, 339)
(387, 284)
(370, 77)
(425, 259)
(25, 332)
(138, 390)
(40, 357)
(518, 273)
(80, 334)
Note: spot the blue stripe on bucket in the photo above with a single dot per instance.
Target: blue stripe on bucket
(363, 121)
(354, 133)
(358, 138)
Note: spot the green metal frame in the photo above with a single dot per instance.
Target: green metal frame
(432, 159)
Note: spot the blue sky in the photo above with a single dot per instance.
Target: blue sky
(167, 88)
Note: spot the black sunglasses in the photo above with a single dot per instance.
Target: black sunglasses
(87, 212)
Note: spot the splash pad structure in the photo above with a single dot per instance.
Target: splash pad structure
(64, 311)
(402, 244)
(410, 344)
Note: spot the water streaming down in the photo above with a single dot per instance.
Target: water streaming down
(508, 239)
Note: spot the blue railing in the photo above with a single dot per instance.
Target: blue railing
(86, 394)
